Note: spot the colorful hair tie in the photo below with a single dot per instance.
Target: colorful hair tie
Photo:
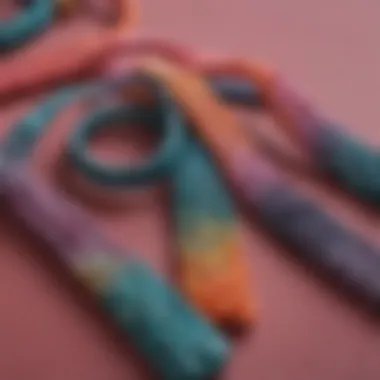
(175, 339)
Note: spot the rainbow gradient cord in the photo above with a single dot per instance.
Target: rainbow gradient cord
(177, 341)
(206, 224)
(315, 236)
(350, 163)
(206, 221)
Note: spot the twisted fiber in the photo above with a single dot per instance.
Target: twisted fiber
(173, 337)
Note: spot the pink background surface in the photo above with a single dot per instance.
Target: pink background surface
(306, 331)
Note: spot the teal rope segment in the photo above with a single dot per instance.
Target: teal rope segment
(153, 314)
(26, 133)
(165, 117)
(35, 17)
(161, 165)
(352, 164)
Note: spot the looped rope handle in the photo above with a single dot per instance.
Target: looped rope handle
(292, 113)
